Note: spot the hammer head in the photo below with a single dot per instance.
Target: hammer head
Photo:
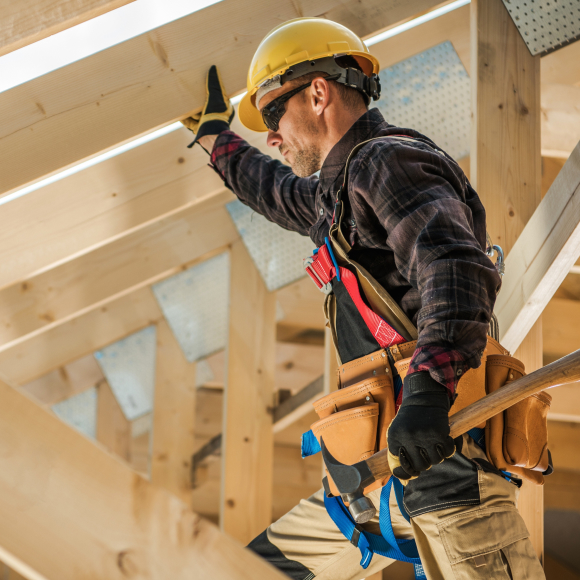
(350, 481)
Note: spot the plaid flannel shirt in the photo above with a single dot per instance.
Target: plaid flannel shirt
(412, 219)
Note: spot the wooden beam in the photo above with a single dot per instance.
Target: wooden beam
(67, 505)
(64, 382)
(248, 446)
(542, 256)
(113, 429)
(67, 342)
(506, 162)
(92, 280)
(173, 416)
(152, 80)
(28, 21)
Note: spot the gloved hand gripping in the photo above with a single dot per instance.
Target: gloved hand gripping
(217, 113)
(418, 436)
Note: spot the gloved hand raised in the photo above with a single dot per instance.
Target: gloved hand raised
(217, 113)
(418, 436)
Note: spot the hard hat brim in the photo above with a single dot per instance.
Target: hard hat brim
(249, 116)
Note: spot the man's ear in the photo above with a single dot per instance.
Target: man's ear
(319, 95)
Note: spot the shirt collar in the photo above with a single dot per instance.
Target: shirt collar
(362, 129)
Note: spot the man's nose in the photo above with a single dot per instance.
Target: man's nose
(274, 139)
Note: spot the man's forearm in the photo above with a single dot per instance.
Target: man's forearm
(207, 142)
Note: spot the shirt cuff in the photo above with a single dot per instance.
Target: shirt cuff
(227, 142)
(444, 365)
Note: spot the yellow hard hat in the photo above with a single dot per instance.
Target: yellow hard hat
(299, 41)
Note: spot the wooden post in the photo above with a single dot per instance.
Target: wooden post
(247, 444)
(506, 158)
(173, 436)
(113, 428)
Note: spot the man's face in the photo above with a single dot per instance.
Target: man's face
(299, 127)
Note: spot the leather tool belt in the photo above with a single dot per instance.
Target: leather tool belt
(354, 419)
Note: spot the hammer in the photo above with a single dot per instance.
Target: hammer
(352, 479)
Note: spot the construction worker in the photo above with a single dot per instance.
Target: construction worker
(411, 220)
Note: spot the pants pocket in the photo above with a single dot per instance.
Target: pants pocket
(489, 543)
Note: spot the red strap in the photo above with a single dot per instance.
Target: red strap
(321, 269)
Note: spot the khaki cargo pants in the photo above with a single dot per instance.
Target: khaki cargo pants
(486, 541)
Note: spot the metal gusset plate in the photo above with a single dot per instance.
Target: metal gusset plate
(430, 92)
(195, 305)
(80, 412)
(546, 25)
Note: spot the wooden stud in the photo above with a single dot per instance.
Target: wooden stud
(113, 429)
(247, 455)
(28, 21)
(173, 416)
(506, 158)
(67, 505)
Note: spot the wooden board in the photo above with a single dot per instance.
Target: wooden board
(81, 336)
(247, 442)
(560, 119)
(94, 279)
(542, 256)
(27, 21)
(152, 80)
(66, 505)
(173, 416)
(64, 382)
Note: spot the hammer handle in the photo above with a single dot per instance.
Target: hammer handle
(561, 372)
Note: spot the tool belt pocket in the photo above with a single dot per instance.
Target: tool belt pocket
(354, 420)
(517, 439)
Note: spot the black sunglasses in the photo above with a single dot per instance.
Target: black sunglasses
(273, 112)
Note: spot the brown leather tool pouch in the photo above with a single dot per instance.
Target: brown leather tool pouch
(354, 420)
(517, 439)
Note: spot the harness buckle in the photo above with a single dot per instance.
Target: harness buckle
(324, 287)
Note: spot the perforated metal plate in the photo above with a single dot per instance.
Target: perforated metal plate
(129, 366)
(430, 92)
(80, 412)
(195, 304)
(276, 252)
(546, 25)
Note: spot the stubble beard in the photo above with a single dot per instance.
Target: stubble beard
(307, 161)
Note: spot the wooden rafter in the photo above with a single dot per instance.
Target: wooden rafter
(151, 80)
(27, 21)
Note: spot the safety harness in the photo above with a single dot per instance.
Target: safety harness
(325, 271)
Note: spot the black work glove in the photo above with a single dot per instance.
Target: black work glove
(418, 436)
(217, 113)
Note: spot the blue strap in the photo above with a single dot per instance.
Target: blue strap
(385, 544)
(309, 444)
(337, 269)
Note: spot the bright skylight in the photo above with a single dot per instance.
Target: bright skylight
(149, 14)
(92, 36)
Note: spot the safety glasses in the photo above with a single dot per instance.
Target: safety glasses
(273, 112)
